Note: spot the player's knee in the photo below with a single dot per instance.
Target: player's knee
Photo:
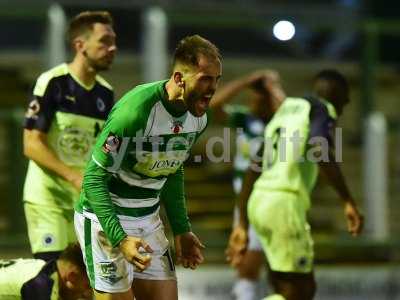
(294, 286)
(249, 272)
(310, 288)
(251, 265)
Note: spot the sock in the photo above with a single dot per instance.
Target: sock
(274, 297)
(245, 289)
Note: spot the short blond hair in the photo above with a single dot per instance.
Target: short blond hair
(190, 48)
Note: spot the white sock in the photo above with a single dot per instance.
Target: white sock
(274, 297)
(245, 289)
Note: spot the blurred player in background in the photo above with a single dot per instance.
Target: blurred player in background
(138, 160)
(66, 112)
(280, 198)
(249, 120)
(34, 279)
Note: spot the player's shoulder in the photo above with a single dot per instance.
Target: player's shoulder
(136, 105)
(143, 95)
(44, 79)
(100, 80)
(294, 105)
(320, 106)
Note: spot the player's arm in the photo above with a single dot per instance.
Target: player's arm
(187, 245)
(237, 244)
(321, 127)
(109, 149)
(37, 122)
(173, 197)
(251, 176)
(36, 148)
(256, 80)
(333, 173)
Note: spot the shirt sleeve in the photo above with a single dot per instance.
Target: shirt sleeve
(41, 110)
(173, 197)
(108, 152)
(321, 123)
(95, 188)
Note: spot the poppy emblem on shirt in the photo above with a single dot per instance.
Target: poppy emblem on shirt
(177, 126)
(111, 144)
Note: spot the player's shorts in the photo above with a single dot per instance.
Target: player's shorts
(107, 268)
(254, 243)
(279, 219)
(49, 228)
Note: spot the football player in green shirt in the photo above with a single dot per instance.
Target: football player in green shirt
(138, 162)
(68, 107)
(298, 141)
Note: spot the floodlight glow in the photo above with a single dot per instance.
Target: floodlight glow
(284, 30)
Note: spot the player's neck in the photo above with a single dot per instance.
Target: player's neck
(174, 94)
(82, 71)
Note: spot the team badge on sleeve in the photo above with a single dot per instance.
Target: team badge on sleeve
(33, 109)
(112, 143)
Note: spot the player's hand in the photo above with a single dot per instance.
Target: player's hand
(188, 250)
(237, 246)
(76, 179)
(355, 221)
(129, 247)
(263, 76)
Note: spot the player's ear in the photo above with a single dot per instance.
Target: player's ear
(178, 79)
(79, 45)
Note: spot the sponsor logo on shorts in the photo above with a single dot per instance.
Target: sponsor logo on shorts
(108, 272)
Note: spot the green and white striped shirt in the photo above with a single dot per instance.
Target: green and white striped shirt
(139, 157)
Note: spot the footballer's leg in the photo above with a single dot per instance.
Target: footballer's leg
(280, 222)
(113, 296)
(48, 230)
(158, 281)
(155, 289)
(109, 273)
(246, 286)
(294, 286)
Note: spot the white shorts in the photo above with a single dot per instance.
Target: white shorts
(107, 268)
(254, 242)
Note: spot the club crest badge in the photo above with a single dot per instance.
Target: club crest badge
(177, 126)
(33, 109)
(111, 144)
